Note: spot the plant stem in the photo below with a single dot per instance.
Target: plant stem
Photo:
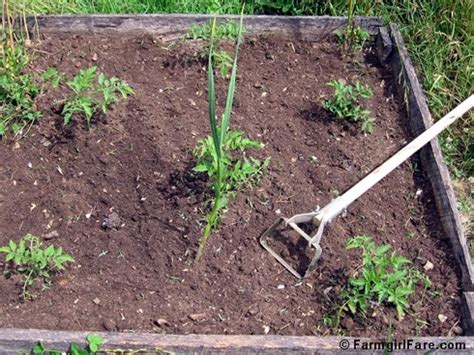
(6, 10)
(350, 24)
(207, 230)
(25, 284)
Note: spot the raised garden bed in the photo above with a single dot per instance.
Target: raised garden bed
(137, 163)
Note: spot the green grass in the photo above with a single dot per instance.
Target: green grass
(439, 36)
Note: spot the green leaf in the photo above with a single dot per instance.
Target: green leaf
(352, 307)
(77, 350)
(12, 245)
(232, 84)
(382, 249)
(38, 349)
(95, 342)
(212, 101)
(201, 168)
(101, 79)
(5, 249)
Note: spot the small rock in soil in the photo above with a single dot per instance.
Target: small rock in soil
(162, 322)
(109, 325)
(51, 235)
(197, 317)
(252, 312)
(96, 300)
(111, 221)
(428, 266)
(442, 318)
(347, 323)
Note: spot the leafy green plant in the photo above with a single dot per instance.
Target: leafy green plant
(34, 262)
(353, 37)
(213, 154)
(237, 173)
(220, 31)
(93, 345)
(91, 93)
(383, 278)
(17, 91)
(345, 103)
(52, 76)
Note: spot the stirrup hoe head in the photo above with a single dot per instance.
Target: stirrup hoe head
(267, 235)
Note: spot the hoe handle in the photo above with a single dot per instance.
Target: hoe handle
(339, 204)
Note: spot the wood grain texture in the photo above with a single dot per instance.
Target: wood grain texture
(467, 309)
(431, 158)
(174, 25)
(25, 339)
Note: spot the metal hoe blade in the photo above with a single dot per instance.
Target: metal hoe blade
(313, 242)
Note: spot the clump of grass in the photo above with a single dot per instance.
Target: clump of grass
(383, 278)
(34, 262)
(213, 154)
(345, 103)
(91, 93)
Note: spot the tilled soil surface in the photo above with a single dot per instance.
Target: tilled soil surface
(133, 168)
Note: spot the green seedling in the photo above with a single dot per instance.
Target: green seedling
(52, 76)
(220, 32)
(237, 173)
(17, 91)
(92, 93)
(383, 278)
(34, 262)
(345, 103)
(93, 346)
(213, 154)
(353, 38)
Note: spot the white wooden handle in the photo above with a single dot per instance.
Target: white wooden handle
(335, 207)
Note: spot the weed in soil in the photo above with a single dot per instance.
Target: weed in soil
(34, 262)
(382, 277)
(91, 93)
(345, 103)
(353, 38)
(17, 91)
(213, 153)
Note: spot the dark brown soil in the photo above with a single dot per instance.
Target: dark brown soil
(136, 162)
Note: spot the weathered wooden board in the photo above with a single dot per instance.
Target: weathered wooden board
(174, 25)
(24, 340)
(467, 309)
(431, 158)
(391, 50)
